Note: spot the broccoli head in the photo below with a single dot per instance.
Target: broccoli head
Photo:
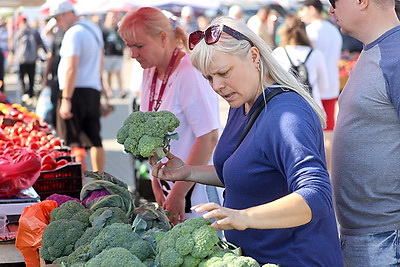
(121, 235)
(59, 237)
(117, 257)
(87, 237)
(71, 210)
(144, 133)
(188, 243)
(229, 260)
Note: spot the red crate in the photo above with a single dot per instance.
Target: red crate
(66, 180)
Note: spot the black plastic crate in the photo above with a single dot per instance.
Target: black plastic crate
(66, 180)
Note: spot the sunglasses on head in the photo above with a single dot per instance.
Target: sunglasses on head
(212, 34)
(332, 2)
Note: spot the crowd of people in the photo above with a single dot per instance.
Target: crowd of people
(292, 162)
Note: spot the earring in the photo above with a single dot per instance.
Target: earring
(258, 66)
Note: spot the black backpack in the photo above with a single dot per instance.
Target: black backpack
(300, 71)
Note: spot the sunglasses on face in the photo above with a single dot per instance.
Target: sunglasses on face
(332, 2)
(212, 34)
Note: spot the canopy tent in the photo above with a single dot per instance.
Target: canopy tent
(84, 7)
(18, 3)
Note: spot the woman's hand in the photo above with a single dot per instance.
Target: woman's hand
(226, 219)
(172, 170)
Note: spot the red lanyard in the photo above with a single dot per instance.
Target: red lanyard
(163, 84)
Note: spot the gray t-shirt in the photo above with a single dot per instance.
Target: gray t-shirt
(366, 142)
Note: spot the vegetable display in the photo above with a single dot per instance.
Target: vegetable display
(122, 235)
(146, 133)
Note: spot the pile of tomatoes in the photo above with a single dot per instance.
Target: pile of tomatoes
(20, 128)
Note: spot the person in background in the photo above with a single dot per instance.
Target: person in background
(4, 48)
(277, 206)
(171, 83)
(26, 46)
(113, 54)
(296, 45)
(261, 25)
(187, 19)
(236, 12)
(79, 76)
(50, 78)
(326, 37)
(366, 140)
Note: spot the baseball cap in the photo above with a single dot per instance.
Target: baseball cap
(315, 3)
(60, 7)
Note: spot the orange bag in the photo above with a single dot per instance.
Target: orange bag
(31, 225)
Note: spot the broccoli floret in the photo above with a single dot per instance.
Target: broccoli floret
(205, 238)
(115, 257)
(87, 237)
(148, 144)
(194, 238)
(122, 134)
(229, 260)
(101, 219)
(71, 210)
(241, 261)
(79, 256)
(120, 235)
(142, 249)
(190, 261)
(169, 258)
(144, 133)
(59, 237)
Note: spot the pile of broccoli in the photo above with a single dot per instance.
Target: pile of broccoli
(146, 133)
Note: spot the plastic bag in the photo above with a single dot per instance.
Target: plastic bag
(31, 225)
(20, 168)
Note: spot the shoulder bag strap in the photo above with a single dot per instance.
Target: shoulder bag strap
(258, 110)
(287, 54)
(308, 55)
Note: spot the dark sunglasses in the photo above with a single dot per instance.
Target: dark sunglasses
(332, 2)
(212, 34)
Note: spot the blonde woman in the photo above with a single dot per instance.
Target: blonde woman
(277, 204)
(170, 82)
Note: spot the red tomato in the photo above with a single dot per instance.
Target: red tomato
(61, 162)
(48, 159)
(34, 145)
(47, 167)
(55, 142)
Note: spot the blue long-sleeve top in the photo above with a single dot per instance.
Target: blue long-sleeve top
(282, 153)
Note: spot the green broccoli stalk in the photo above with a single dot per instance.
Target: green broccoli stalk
(59, 237)
(187, 243)
(115, 257)
(146, 133)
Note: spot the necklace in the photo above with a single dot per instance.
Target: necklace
(167, 74)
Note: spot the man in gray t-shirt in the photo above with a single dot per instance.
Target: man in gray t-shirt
(366, 141)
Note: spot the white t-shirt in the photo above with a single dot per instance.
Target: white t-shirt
(80, 41)
(189, 96)
(316, 67)
(326, 37)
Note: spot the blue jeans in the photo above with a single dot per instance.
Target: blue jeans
(382, 249)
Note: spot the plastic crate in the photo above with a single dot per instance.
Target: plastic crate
(66, 180)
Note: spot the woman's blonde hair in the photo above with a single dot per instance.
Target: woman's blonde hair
(202, 56)
(152, 21)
